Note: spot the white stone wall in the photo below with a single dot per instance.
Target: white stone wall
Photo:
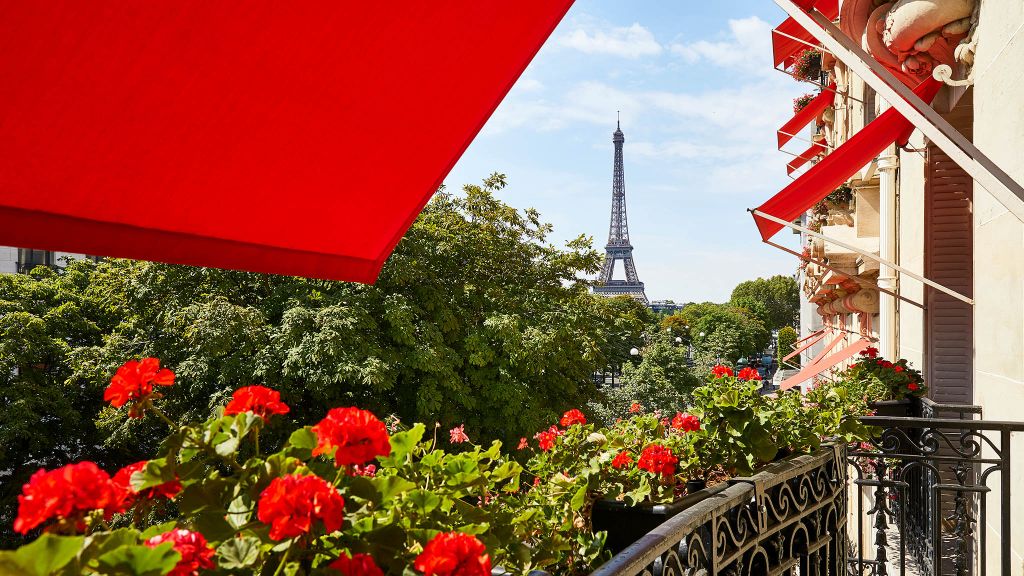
(8, 260)
(910, 252)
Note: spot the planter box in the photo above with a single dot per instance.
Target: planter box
(627, 524)
(906, 407)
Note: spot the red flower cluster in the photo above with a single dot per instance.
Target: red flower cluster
(720, 371)
(134, 382)
(67, 493)
(259, 400)
(658, 459)
(748, 373)
(546, 439)
(356, 435)
(196, 554)
(356, 565)
(292, 503)
(571, 417)
(123, 480)
(913, 387)
(458, 434)
(870, 352)
(635, 407)
(686, 422)
(357, 470)
(454, 554)
(621, 460)
(523, 444)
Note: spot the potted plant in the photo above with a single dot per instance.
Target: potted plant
(891, 388)
(808, 65)
(801, 102)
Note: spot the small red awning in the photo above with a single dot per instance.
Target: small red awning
(822, 363)
(786, 37)
(838, 166)
(810, 341)
(806, 114)
(294, 138)
(806, 156)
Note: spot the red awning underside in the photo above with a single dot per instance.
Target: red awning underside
(811, 341)
(785, 48)
(806, 114)
(293, 138)
(822, 363)
(837, 167)
(806, 156)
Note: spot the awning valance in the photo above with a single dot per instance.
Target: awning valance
(825, 176)
(807, 343)
(806, 115)
(790, 39)
(287, 137)
(823, 362)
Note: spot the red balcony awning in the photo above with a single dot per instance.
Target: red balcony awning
(823, 362)
(807, 343)
(806, 114)
(790, 39)
(286, 137)
(839, 165)
(806, 156)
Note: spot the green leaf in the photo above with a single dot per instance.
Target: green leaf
(140, 560)
(240, 510)
(238, 552)
(391, 486)
(157, 530)
(303, 438)
(47, 555)
(227, 447)
(405, 442)
(213, 525)
(424, 500)
(579, 498)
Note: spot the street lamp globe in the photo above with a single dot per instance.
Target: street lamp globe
(634, 352)
(679, 340)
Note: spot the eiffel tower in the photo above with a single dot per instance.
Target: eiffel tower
(618, 247)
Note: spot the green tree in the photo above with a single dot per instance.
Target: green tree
(729, 333)
(779, 295)
(787, 343)
(628, 321)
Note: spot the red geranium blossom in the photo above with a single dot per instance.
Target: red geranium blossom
(571, 417)
(720, 371)
(913, 387)
(65, 493)
(357, 435)
(259, 400)
(454, 554)
(546, 439)
(196, 554)
(635, 407)
(356, 565)
(134, 381)
(870, 352)
(458, 434)
(658, 459)
(523, 444)
(748, 374)
(292, 503)
(357, 470)
(123, 480)
(686, 422)
(622, 459)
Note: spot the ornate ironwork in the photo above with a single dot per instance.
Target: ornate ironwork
(788, 519)
(619, 247)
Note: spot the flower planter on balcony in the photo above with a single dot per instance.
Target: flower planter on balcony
(626, 524)
(902, 408)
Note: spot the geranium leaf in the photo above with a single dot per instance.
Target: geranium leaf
(402, 443)
(47, 555)
(238, 552)
(424, 500)
(391, 486)
(140, 560)
(303, 438)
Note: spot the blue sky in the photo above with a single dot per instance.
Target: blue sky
(700, 105)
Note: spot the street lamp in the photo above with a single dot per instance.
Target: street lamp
(634, 352)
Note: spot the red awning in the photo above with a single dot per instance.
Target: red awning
(810, 341)
(806, 114)
(790, 38)
(293, 138)
(806, 156)
(838, 166)
(822, 363)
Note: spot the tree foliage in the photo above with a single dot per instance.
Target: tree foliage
(779, 295)
(787, 343)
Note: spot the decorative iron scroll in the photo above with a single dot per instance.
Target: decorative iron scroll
(788, 519)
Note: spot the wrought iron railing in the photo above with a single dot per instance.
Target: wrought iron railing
(790, 518)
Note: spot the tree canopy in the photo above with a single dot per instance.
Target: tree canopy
(779, 296)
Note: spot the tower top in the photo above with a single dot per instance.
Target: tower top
(617, 136)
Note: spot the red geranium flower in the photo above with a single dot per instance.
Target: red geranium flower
(259, 400)
(454, 554)
(658, 459)
(635, 407)
(196, 554)
(65, 493)
(912, 387)
(292, 503)
(357, 470)
(547, 438)
(356, 565)
(719, 371)
(123, 481)
(748, 373)
(686, 422)
(134, 382)
(622, 459)
(523, 444)
(571, 417)
(897, 368)
(870, 352)
(458, 434)
(357, 435)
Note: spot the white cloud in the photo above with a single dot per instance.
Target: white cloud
(747, 48)
(628, 42)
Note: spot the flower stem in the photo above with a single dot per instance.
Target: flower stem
(160, 413)
(284, 560)
(256, 439)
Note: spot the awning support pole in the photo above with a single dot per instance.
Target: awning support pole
(868, 255)
(985, 172)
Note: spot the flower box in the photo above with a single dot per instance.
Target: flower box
(626, 524)
(902, 408)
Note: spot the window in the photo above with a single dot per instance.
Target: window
(29, 259)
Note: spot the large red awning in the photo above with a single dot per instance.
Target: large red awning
(823, 362)
(808, 113)
(806, 156)
(293, 138)
(825, 176)
(790, 38)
